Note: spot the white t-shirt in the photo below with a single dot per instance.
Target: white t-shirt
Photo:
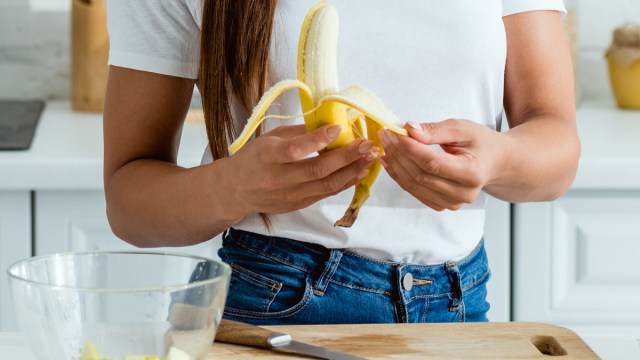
(427, 60)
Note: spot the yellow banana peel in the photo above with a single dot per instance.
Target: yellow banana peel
(360, 112)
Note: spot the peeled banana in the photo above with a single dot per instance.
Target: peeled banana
(360, 112)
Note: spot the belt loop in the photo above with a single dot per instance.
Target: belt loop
(456, 288)
(225, 233)
(320, 285)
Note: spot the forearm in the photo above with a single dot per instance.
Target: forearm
(152, 203)
(539, 160)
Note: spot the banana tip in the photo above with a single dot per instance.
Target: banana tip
(348, 219)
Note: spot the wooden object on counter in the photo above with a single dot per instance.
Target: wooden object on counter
(89, 54)
(426, 341)
(623, 57)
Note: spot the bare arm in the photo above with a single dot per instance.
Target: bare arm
(535, 161)
(153, 202)
(150, 200)
(540, 106)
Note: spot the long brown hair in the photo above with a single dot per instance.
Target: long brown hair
(234, 54)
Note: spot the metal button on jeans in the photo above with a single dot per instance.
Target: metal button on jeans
(407, 281)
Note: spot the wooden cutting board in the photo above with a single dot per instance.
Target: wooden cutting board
(427, 341)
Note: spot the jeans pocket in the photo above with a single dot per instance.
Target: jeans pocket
(475, 300)
(251, 291)
(262, 287)
(438, 310)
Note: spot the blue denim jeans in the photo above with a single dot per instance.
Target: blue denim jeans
(279, 281)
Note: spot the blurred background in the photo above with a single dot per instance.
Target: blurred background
(572, 262)
(35, 45)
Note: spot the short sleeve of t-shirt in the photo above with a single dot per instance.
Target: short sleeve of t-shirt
(154, 35)
(510, 7)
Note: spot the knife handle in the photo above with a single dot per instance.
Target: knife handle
(234, 332)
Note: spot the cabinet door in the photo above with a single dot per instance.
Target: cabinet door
(576, 259)
(77, 221)
(15, 245)
(497, 239)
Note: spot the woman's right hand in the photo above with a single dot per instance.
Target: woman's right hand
(274, 174)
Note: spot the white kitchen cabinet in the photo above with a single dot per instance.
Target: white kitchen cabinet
(576, 265)
(15, 245)
(77, 221)
(577, 259)
(63, 171)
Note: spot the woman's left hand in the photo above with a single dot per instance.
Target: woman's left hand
(443, 180)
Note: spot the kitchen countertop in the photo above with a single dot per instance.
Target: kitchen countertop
(67, 150)
(610, 156)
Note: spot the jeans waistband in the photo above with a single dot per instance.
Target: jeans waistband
(350, 269)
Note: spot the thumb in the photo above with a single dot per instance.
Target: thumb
(449, 132)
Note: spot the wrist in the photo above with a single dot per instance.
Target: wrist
(502, 164)
(226, 193)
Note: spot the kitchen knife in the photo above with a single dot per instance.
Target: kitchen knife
(238, 333)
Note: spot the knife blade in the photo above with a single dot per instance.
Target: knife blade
(238, 333)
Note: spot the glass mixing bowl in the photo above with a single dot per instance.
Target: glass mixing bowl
(119, 305)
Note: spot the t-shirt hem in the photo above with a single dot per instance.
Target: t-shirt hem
(153, 64)
(511, 7)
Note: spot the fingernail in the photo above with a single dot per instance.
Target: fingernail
(373, 154)
(414, 126)
(334, 131)
(393, 138)
(382, 161)
(384, 138)
(364, 173)
(365, 147)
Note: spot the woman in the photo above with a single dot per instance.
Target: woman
(416, 252)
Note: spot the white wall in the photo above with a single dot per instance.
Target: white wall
(34, 45)
(34, 52)
(597, 20)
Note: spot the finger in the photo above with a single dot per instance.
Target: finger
(287, 131)
(392, 173)
(456, 168)
(329, 162)
(450, 132)
(431, 198)
(455, 192)
(301, 146)
(333, 183)
(313, 199)
(449, 188)
(408, 182)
